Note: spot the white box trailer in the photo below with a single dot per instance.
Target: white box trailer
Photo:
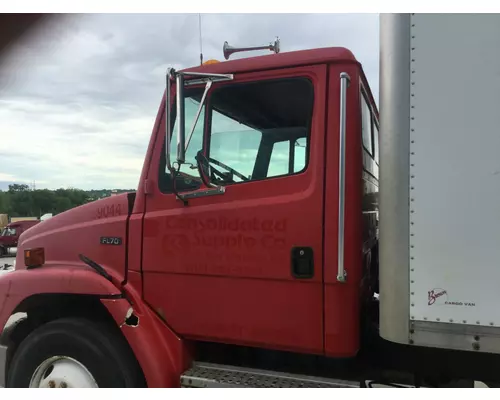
(440, 181)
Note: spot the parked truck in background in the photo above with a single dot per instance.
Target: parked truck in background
(265, 246)
(10, 234)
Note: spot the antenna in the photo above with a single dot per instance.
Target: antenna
(201, 42)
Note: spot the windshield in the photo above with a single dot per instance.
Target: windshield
(9, 232)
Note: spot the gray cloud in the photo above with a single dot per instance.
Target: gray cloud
(77, 108)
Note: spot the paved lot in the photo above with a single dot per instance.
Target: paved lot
(9, 261)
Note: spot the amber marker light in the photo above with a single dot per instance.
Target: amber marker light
(34, 257)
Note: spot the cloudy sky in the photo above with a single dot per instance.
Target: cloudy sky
(77, 108)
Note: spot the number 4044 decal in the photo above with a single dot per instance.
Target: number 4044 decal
(112, 210)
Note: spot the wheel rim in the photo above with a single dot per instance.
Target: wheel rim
(62, 372)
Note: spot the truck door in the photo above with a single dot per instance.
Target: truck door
(244, 266)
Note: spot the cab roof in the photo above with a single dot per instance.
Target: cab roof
(280, 60)
(325, 55)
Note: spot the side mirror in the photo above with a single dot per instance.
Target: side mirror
(181, 131)
(182, 142)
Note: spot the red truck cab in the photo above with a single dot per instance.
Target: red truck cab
(10, 234)
(264, 234)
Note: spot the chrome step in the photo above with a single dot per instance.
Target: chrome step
(205, 375)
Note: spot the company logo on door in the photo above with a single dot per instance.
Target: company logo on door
(439, 297)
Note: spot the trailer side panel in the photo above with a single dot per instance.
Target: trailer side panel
(454, 180)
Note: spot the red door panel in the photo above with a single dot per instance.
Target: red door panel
(220, 267)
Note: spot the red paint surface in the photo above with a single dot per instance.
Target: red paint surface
(162, 355)
(135, 243)
(21, 284)
(78, 231)
(342, 299)
(276, 314)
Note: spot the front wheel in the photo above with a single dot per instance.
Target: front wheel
(74, 353)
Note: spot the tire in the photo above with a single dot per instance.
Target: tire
(98, 348)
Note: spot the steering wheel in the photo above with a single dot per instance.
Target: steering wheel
(214, 172)
(228, 168)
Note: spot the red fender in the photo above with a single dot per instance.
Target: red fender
(162, 355)
(18, 285)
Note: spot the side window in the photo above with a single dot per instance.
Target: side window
(375, 142)
(10, 232)
(234, 144)
(253, 126)
(189, 176)
(191, 105)
(299, 154)
(251, 129)
(287, 157)
(366, 125)
(280, 159)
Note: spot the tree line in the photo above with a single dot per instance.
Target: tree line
(21, 201)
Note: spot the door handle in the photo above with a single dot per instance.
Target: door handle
(302, 262)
